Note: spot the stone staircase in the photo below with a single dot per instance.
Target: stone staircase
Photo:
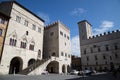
(33, 66)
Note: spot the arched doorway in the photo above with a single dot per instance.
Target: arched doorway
(68, 69)
(31, 61)
(15, 65)
(53, 67)
(63, 68)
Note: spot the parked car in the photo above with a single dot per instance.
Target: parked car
(74, 72)
(86, 72)
(45, 72)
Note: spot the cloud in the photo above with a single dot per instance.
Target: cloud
(105, 26)
(75, 46)
(44, 16)
(78, 11)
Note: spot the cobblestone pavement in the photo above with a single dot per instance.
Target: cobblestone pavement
(59, 77)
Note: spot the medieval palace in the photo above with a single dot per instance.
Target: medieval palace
(100, 52)
(29, 47)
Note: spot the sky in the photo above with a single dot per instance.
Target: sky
(104, 15)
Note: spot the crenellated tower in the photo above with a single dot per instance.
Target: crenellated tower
(85, 30)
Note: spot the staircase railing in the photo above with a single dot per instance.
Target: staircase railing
(32, 67)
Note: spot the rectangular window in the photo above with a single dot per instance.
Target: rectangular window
(18, 19)
(69, 55)
(62, 54)
(68, 37)
(104, 57)
(99, 49)
(65, 35)
(0, 32)
(96, 63)
(26, 23)
(116, 55)
(87, 58)
(110, 57)
(39, 30)
(84, 51)
(107, 48)
(65, 54)
(91, 49)
(34, 27)
(2, 21)
(116, 47)
(61, 33)
(96, 57)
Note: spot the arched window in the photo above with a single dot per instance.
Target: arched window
(39, 53)
(0, 32)
(12, 42)
(23, 44)
(31, 47)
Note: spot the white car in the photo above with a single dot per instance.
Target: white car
(74, 72)
(45, 72)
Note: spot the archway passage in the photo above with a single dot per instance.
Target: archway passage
(63, 68)
(31, 61)
(68, 68)
(15, 65)
(53, 67)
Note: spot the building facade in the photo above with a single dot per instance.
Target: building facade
(100, 52)
(24, 38)
(57, 43)
(76, 63)
(3, 28)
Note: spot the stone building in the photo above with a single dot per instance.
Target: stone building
(24, 38)
(3, 28)
(100, 52)
(76, 63)
(57, 43)
(22, 52)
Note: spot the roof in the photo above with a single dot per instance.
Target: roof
(24, 8)
(4, 15)
(84, 21)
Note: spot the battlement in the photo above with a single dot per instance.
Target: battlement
(56, 23)
(105, 34)
(51, 24)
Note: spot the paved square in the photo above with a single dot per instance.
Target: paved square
(60, 77)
